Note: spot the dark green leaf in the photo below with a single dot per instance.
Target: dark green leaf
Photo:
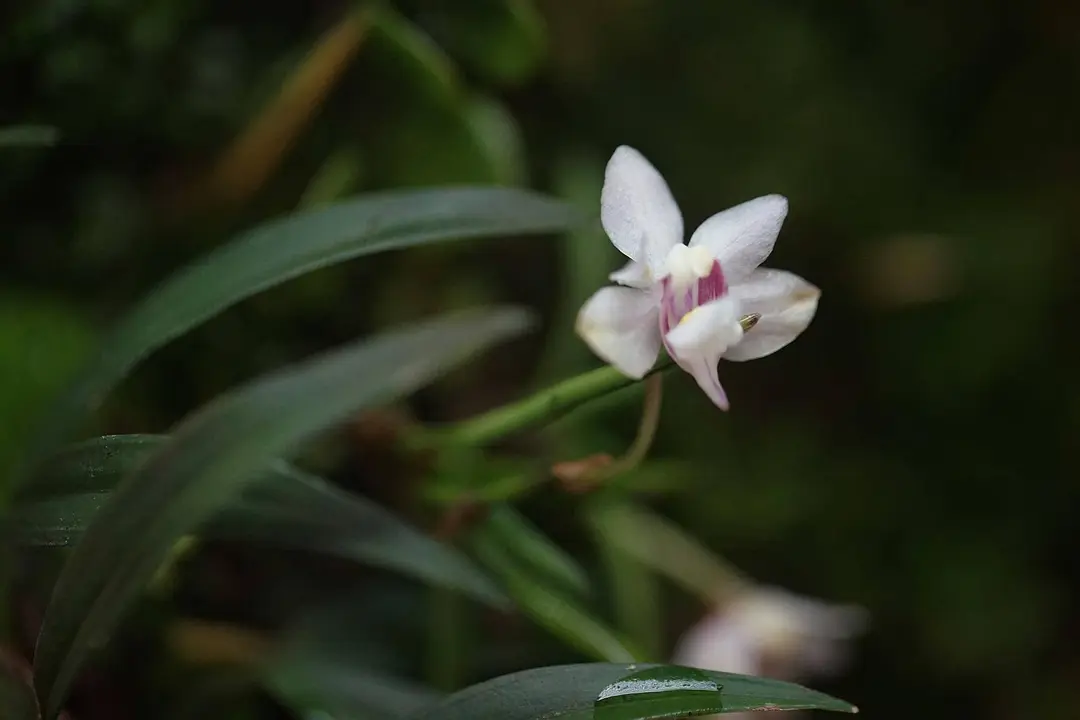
(663, 546)
(414, 57)
(604, 691)
(508, 528)
(213, 455)
(548, 605)
(283, 249)
(340, 656)
(42, 344)
(343, 690)
(283, 506)
(504, 40)
(659, 692)
(498, 136)
(28, 136)
(304, 511)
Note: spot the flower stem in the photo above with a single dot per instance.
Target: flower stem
(544, 406)
(650, 419)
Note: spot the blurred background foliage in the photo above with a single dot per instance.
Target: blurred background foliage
(911, 453)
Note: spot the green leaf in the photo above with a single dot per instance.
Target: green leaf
(634, 592)
(508, 528)
(663, 546)
(335, 659)
(547, 605)
(465, 474)
(213, 455)
(503, 40)
(498, 137)
(28, 136)
(412, 56)
(344, 691)
(283, 506)
(604, 691)
(42, 344)
(283, 249)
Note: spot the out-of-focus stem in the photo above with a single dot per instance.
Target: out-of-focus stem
(447, 641)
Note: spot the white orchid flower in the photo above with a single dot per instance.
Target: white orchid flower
(769, 631)
(703, 301)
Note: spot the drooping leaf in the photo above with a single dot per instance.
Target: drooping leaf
(548, 604)
(213, 455)
(604, 691)
(278, 251)
(283, 506)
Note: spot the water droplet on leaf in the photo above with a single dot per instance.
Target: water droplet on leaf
(659, 692)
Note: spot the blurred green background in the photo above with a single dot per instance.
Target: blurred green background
(913, 452)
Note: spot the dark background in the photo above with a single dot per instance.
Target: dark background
(913, 452)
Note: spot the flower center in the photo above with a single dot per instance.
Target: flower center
(692, 279)
(687, 265)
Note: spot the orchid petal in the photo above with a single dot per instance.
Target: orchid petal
(743, 236)
(786, 304)
(769, 608)
(700, 338)
(810, 632)
(708, 379)
(717, 643)
(633, 274)
(621, 326)
(637, 209)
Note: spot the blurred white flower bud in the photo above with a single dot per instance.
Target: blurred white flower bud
(770, 632)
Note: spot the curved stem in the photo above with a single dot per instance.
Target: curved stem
(545, 406)
(586, 474)
(650, 419)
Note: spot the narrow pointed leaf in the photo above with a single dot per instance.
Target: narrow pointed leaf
(549, 605)
(603, 691)
(333, 658)
(660, 544)
(284, 507)
(507, 528)
(212, 456)
(281, 250)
